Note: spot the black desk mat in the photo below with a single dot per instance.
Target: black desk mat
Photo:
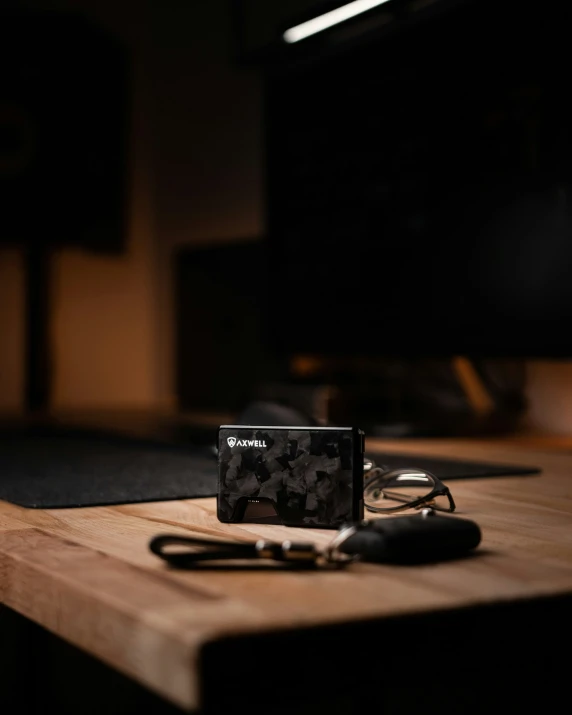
(52, 472)
(451, 468)
(60, 469)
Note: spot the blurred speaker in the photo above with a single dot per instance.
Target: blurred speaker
(64, 114)
(222, 305)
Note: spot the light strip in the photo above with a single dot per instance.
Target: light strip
(322, 22)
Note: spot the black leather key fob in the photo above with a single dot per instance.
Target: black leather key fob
(425, 537)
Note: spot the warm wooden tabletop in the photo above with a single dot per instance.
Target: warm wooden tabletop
(88, 576)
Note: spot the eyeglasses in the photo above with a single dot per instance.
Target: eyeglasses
(387, 491)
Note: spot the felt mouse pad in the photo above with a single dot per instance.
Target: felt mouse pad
(67, 470)
(63, 469)
(451, 468)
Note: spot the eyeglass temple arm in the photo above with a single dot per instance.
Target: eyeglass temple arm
(399, 497)
(429, 499)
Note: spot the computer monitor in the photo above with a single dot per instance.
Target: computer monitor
(419, 186)
(417, 242)
(418, 203)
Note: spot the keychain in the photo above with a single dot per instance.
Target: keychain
(422, 538)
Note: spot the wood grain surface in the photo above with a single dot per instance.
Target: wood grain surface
(88, 576)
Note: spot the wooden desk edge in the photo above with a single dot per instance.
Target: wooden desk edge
(148, 630)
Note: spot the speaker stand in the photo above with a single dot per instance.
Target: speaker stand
(38, 358)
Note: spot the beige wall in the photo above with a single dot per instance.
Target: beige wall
(207, 146)
(549, 395)
(194, 178)
(103, 324)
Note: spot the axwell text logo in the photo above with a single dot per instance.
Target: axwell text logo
(232, 441)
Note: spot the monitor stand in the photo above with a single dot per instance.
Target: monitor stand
(451, 397)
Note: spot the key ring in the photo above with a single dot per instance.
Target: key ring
(422, 538)
(288, 553)
(332, 552)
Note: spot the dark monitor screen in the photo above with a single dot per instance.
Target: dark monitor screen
(419, 190)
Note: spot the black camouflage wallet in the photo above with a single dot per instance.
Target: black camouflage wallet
(295, 476)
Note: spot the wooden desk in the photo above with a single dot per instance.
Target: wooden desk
(87, 576)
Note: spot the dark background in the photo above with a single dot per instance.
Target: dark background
(419, 187)
(357, 208)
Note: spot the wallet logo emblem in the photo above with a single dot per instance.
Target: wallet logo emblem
(232, 441)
